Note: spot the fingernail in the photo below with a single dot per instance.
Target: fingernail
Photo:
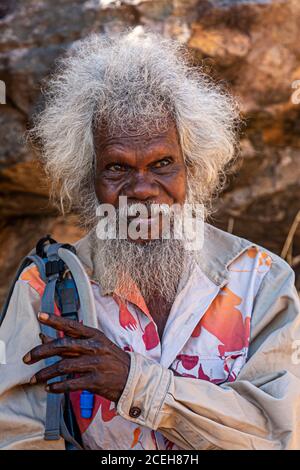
(43, 316)
(27, 358)
(33, 380)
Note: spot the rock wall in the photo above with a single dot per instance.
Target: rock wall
(253, 46)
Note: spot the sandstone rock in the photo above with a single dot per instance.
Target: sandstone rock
(252, 46)
(12, 128)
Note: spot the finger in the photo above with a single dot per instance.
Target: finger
(70, 327)
(45, 339)
(71, 385)
(64, 367)
(60, 347)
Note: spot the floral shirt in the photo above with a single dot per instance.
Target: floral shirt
(206, 337)
(204, 385)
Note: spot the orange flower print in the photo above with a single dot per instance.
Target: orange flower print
(197, 330)
(263, 260)
(136, 438)
(252, 252)
(225, 322)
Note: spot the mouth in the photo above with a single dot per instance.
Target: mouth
(144, 221)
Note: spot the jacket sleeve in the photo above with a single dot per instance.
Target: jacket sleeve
(22, 406)
(260, 410)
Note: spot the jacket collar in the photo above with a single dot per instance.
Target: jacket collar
(219, 250)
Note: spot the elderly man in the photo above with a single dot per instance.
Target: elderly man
(195, 349)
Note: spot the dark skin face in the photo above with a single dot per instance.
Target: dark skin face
(145, 170)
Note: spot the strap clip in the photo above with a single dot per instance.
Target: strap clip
(54, 267)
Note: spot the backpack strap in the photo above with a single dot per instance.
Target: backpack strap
(68, 299)
(68, 426)
(51, 261)
(83, 286)
(53, 268)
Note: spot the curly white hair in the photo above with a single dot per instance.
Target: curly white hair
(133, 81)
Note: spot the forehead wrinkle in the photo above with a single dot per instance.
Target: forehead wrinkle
(159, 146)
(127, 141)
(104, 139)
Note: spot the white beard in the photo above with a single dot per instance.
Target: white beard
(155, 266)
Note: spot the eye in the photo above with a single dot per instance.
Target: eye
(116, 167)
(163, 162)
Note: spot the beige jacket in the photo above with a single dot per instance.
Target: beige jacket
(260, 409)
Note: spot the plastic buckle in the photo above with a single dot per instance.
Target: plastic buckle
(54, 267)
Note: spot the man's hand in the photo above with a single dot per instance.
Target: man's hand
(102, 366)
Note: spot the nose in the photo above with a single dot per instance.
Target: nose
(142, 188)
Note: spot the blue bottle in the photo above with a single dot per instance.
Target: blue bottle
(86, 404)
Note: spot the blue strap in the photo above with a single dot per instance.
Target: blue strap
(53, 416)
(53, 413)
(47, 304)
(40, 264)
(55, 427)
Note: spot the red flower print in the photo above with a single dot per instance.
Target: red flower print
(197, 330)
(202, 375)
(188, 362)
(168, 444)
(154, 440)
(231, 377)
(107, 413)
(150, 336)
(189, 376)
